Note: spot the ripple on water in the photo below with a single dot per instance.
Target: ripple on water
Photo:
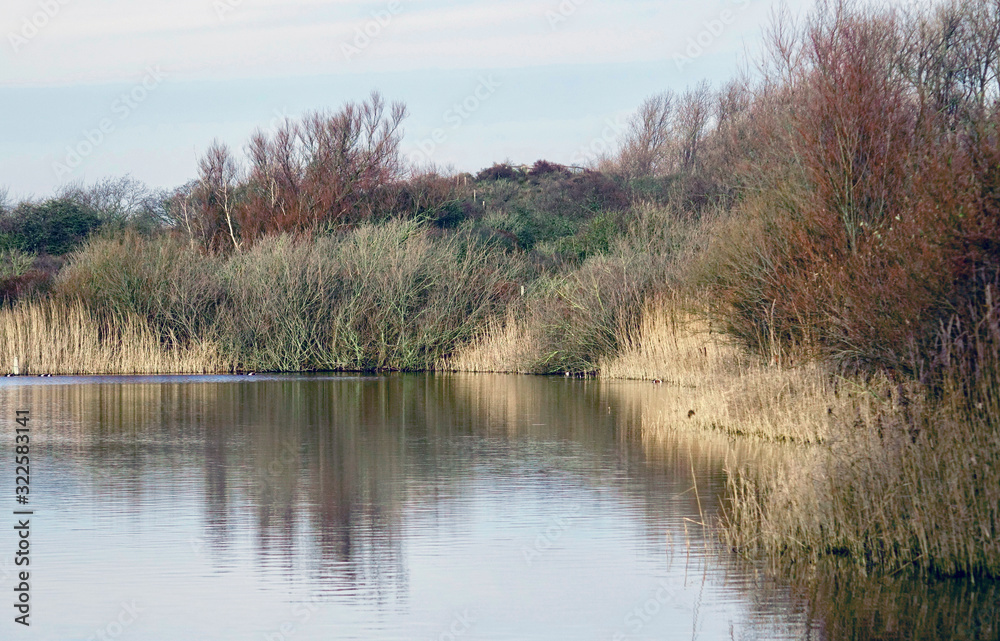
(403, 507)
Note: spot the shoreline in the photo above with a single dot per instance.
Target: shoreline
(847, 445)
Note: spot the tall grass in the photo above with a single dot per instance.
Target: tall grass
(887, 474)
(882, 495)
(506, 344)
(52, 337)
(391, 296)
(566, 323)
(576, 319)
(715, 384)
(381, 297)
(914, 483)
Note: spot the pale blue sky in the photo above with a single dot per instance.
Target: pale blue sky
(93, 88)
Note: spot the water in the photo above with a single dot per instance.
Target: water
(403, 507)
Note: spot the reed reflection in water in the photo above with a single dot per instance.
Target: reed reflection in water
(397, 507)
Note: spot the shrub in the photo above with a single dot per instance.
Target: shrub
(55, 226)
(321, 171)
(430, 196)
(121, 202)
(161, 280)
(499, 171)
(29, 284)
(583, 315)
(873, 214)
(544, 168)
(591, 192)
(14, 262)
(596, 237)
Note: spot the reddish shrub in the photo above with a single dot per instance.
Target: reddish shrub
(326, 169)
(875, 220)
(499, 171)
(33, 282)
(544, 168)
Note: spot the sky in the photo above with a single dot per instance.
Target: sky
(90, 89)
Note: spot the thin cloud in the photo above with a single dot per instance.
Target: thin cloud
(107, 43)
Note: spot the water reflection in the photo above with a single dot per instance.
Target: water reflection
(407, 507)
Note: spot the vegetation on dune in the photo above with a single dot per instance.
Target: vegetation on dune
(805, 256)
(388, 296)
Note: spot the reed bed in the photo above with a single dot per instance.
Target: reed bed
(715, 384)
(914, 484)
(505, 345)
(565, 323)
(55, 337)
(375, 297)
(878, 472)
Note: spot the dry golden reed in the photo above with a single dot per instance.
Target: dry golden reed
(505, 345)
(52, 337)
(869, 470)
(715, 384)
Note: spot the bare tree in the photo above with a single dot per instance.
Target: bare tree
(181, 212)
(327, 168)
(692, 124)
(666, 133)
(217, 176)
(648, 141)
(782, 58)
(951, 60)
(115, 199)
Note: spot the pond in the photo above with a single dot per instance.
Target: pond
(404, 507)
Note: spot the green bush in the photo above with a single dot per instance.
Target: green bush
(53, 227)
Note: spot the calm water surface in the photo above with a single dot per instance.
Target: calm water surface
(404, 507)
